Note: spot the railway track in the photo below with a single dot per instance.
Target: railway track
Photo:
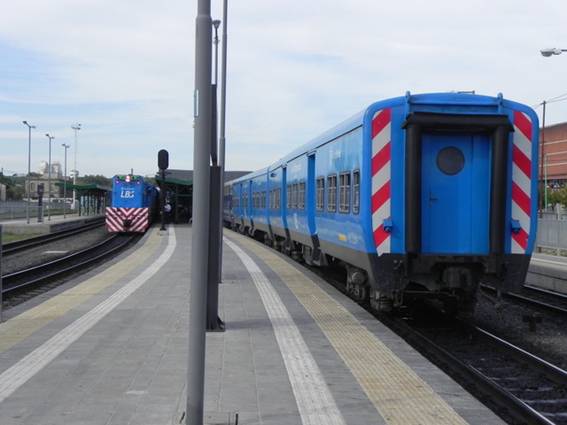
(24, 280)
(519, 386)
(17, 246)
(537, 297)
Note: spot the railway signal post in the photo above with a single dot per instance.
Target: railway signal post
(163, 164)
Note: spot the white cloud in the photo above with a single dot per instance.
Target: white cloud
(295, 67)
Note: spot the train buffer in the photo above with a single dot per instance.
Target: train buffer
(111, 348)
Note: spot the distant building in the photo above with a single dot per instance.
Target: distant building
(553, 144)
(56, 171)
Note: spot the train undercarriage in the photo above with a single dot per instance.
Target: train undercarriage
(450, 283)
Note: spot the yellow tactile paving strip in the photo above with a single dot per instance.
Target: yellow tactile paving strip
(20, 327)
(396, 391)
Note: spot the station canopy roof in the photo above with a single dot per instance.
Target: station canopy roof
(84, 187)
(185, 177)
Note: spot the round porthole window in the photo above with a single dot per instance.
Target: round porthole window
(450, 160)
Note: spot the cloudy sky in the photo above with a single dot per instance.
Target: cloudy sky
(125, 70)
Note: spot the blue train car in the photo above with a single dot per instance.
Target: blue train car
(132, 206)
(417, 196)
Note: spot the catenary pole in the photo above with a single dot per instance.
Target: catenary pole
(76, 128)
(49, 178)
(200, 237)
(542, 170)
(222, 129)
(65, 146)
(28, 191)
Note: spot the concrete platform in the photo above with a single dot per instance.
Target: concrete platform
(57, 223)
(548, 272)
(112, 349)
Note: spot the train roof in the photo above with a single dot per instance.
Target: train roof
(451, 99)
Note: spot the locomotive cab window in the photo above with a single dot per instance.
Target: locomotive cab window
(356, 191)
(332, 193)
(344, 192)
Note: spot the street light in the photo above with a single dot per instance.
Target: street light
(29, 171)
(550, 52)
(216, 24)
(49, 178)
(75, 127)
(65, 182)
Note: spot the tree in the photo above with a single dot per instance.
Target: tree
(557, 196)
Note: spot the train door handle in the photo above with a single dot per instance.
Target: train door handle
(432, 198)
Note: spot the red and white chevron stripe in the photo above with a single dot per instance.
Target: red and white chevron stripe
(381, 176)
(521, 180)
(131, 220)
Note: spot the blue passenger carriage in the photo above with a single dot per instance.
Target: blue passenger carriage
(132, 206)
(416, 196)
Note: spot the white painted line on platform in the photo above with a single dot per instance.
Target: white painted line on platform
(314, 400)
(14, 377)
(55, 252)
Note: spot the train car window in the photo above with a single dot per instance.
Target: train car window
(332, 193)
(288, 193)
(294, 196)
(356, 191)
(263, 197)
(278, 198)
(320, 202)
(344, 192)
(301, 196)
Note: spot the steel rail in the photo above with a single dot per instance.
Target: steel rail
(545, 291)
(474, 379)
(33, 276)
(17, 246)
(547, 305)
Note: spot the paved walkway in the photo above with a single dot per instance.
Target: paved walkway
(112, 349)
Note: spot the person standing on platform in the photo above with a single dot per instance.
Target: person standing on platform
(167, 212)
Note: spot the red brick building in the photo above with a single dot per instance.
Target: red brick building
(553, 147)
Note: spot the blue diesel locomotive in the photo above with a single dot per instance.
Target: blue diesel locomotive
(421, 196)
(133, 204)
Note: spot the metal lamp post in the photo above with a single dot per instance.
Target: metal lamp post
(201, 211)
(49, 178)
(222, 129)
(29, 171)
(552, 51)
(65, 181)
(75, 127)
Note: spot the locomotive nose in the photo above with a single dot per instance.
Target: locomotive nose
(127, 223)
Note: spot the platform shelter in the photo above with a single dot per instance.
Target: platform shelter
(178, 186)
(92, 198)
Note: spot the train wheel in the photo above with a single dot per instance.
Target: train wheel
(380, 303)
